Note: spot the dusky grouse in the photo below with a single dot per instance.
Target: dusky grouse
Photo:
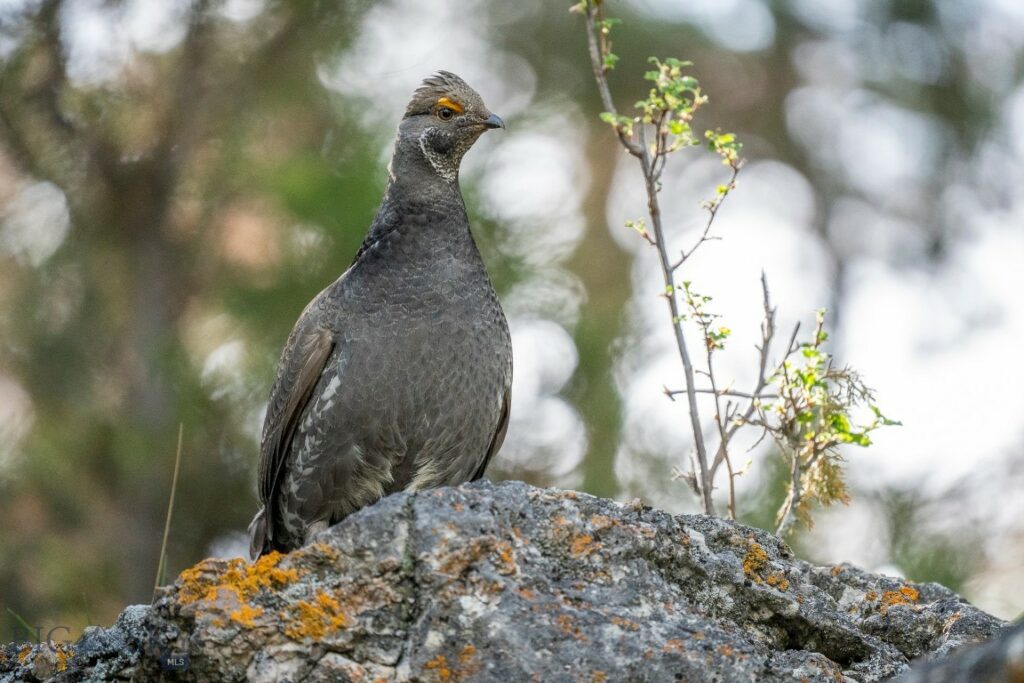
(397, 375)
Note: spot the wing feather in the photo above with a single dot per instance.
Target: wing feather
(305, 359)
(499, 435)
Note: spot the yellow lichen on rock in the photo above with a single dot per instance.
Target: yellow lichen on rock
(246, 615)
(583, 545)
(206, 579)
(754, 562)
(506, 563)
(439, 665)
(63, 655)
(778, 580)
(443, 671)
(321, 550)
(315, 619)
(904, 596)
(623, 623)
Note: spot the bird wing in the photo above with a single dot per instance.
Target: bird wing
(499, 435)
(304, 359)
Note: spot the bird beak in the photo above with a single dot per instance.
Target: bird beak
(494, 121)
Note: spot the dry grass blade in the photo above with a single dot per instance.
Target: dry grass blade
(161, 563)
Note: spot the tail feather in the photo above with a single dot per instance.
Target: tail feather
(259, 543)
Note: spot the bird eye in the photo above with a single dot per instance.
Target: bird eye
(445, 113)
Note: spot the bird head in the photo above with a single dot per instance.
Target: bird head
(444, 118)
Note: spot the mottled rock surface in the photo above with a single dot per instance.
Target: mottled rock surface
(999, 659)
(511, 583)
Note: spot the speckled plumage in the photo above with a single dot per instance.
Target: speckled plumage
(397, 375)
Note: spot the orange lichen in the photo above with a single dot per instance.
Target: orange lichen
(674, 645)
(526, 593)
(598, 677)
(904, 596)
(754, 562)
(63, 656)
(778, 580)
(506, 558)
(327, 552)
(315, 619)
(583, 546)
(459, 560)
(23, 654)
(568, 626)
(204, 581)
(246, 615)
(467, 654)
(625, 623)
(871, 596)
(439, 665)
(725, 650)
(837, 570)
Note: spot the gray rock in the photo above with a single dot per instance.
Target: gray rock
(999, 659)
(509, 583)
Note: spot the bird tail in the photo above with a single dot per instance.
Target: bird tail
(259, 543)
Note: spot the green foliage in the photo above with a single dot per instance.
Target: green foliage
(672, 102)
(811, 418)
(697, 311)
(726, 146)
(619, 122)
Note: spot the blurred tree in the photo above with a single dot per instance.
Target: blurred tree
(165, 222)
(196, 184)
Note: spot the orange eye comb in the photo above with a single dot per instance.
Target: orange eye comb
(451, 104)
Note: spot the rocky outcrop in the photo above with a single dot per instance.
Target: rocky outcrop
(511, 583)
(1000, 659)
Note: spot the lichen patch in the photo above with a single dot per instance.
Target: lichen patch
(315, 618)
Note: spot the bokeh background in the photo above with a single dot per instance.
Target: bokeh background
(177, 180)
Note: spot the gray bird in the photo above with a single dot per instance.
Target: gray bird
(397, 376)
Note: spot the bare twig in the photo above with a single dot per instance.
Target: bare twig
(730, 392)
(712, 207)
(723, 440)
(763, 376)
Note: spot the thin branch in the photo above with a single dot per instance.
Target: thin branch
(763, 376)
(598, 50)
(712, 206)
(730, 392)
(598, 47)
(723, 439)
